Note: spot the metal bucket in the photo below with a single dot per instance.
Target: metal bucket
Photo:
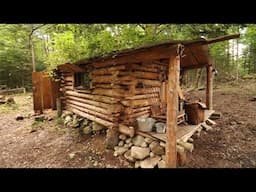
(145, 123)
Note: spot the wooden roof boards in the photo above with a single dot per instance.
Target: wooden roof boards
(196, 53)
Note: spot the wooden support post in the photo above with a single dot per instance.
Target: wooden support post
(172, 109)
(58, 105)
(209, 87)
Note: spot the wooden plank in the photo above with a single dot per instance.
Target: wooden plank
(135, 115)
(209, 87)
(55, 86)
(94, 113)
(100, 98)
(172, 110)
(91, 117)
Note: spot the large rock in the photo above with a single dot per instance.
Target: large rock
(40, 118)
(122, 137)
(121, 143)
(10, 100)
(67, 120)
(75, 122)
(150, 162)
(129, 140)
(120, 150)
(128, 156)
(138, 140)
(97, 126)
(160, 127)
(139, 152)
(144, 144)
(112, 138)
(161, 164)
(156, 148)
(87, 130)
(148, 140)
(19, 117)
(84, 123)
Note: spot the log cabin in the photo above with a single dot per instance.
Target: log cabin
(116, 89)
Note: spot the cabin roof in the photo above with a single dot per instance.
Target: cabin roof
(195, 53)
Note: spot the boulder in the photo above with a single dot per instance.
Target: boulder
(160, 127)
(156, 148)
(139, 152)
(163, 157)
(97, 126)
(150, 162)
(148, 140)
(40, 118)
(151, 154)
(138, 140)
(162, 144)
(111, 138)
(128, 156)
(19, 117)
(10, 100)
(144, 144)
(68, 119)
(126, 145)
(129, 140)
(87, 130)
(129, 144)
(84, 123)
(161, 164)
(120, 151)
(121, 143)
(137, 164)
(122, 137)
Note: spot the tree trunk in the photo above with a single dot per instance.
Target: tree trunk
(32, 53)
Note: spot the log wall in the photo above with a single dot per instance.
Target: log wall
(117, 94)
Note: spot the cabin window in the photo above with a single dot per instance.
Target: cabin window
(82, 81)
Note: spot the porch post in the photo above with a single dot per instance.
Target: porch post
(209, 86)
(172, 109)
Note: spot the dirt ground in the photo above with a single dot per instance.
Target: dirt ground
(49, 144)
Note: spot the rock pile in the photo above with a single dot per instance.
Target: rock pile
(143, 152)
(85, 125)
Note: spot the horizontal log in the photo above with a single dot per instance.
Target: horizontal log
(145, 96)
(69, 78)
(68, 87)
(97, 114)
(127, 130)
(188, 146)
(153, 83)
(109, 92)
(142, 68)
(135, 115)
(129, 110)
(90, 107)
(108, 86)
(91, 117)
(104, 99)
(140, 102)
(108, 71)
(111, 78)
(140, 91)
(114, 108)
(140, 74)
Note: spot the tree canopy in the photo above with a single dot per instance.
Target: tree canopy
(54, 44)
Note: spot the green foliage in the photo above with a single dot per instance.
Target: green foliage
(56, 44)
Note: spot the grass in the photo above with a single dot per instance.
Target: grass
(7, 108)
